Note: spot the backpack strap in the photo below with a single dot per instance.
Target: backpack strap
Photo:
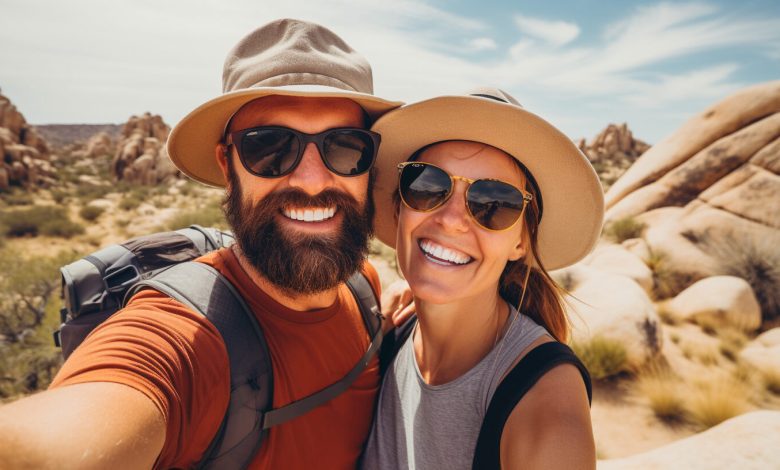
(369, 309)
(393, 342)
(203, 289)
(512, 389)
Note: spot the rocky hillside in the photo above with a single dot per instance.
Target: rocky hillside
(24, 154)
(61, 135)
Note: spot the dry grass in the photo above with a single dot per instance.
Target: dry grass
(603, 357)
(715, 401)
(731, 342)
(667, 282)
(664, 392)
(700, 352)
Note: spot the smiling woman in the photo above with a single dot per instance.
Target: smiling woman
(481, 376)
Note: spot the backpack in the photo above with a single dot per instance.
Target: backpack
(95, 287)
(517, 382)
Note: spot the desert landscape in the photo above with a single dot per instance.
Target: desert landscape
(676, 313)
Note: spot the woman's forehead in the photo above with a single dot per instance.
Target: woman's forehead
(474, 160)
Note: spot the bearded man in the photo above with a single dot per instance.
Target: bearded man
(289, 140)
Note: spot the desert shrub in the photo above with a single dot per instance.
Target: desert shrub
(623, 229)
(713, 402)
(667, 282)
(89, 192)
(59, 195)
(209, 216)
(29, 312)
(771, 381)
(129, 202)
(701, 352)
(664, 392)
(39, 220)
(603, 357)
(18, 198)
(731, 342)
(91, 213)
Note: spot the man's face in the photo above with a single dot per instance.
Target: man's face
(299, 256)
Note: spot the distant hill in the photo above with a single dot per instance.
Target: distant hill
(59, 135)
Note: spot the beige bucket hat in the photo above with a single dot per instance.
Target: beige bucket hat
(572, 197)
(285, 57)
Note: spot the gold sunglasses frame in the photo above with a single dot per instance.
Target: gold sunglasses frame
(527, 197)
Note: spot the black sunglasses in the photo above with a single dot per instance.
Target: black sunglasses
(275, 151)
(493, 204)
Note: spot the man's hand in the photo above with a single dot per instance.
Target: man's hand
(397, 304)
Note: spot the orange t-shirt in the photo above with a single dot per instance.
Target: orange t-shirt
(178, 359)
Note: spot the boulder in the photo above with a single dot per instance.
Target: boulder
(614, 307)
(617, 260)
(98, 145)
(746, 442)
(763, 353)
(725, 300)
(710, 195)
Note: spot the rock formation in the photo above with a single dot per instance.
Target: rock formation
(612, 151)
(24, 155)
(709, 194)
(141, 156)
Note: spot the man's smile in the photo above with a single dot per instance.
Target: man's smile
(318, 214)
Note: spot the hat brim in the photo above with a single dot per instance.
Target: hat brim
(192, 142)
(572, 196)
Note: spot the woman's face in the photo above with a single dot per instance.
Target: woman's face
(477, 255)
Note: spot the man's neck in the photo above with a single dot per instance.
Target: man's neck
(299, 302)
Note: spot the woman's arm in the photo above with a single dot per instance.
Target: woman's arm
(550, 428)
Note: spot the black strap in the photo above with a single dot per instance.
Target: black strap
(393, 342)
(512, 389)
(369, 308)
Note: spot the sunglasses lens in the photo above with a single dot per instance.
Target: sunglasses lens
(494, 205)
(349, 152)
(424, 187)
(269, 152)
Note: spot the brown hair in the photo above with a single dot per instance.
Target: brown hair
(545, 304)
(543, 298)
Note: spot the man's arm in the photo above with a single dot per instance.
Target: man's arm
(90, 425)
(550, 428)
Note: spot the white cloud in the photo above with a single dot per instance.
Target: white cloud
(481, 44)
(556, 33)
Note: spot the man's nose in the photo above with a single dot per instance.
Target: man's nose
(311, 175)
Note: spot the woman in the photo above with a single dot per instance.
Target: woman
(491, 196)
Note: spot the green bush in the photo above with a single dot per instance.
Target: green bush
(91, 213)
(39, 220)
(18, 198)
(603, 357)
(623, 229)
(129, 202)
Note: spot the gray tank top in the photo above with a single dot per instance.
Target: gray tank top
(421, 426)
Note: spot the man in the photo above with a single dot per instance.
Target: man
(150, 386)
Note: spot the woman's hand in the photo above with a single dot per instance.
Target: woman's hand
(397, 305)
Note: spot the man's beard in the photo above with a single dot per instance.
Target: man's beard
(300, 263)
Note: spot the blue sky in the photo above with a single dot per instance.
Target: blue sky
(580, 64)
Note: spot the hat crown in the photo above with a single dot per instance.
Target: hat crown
(292, 52)
(494, 94)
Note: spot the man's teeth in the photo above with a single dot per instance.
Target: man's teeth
(310, 215)
(446, 254)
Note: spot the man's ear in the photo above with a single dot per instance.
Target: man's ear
(222, 154)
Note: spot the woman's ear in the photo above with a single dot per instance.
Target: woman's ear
(518, 251)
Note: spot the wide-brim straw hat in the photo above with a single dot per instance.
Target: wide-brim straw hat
(572, 197)
(285, 57)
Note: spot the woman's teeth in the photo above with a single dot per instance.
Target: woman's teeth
(310, 215)
(437, 252)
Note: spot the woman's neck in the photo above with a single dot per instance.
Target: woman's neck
(452, 338)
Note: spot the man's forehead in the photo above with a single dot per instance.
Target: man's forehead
(294, 111)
